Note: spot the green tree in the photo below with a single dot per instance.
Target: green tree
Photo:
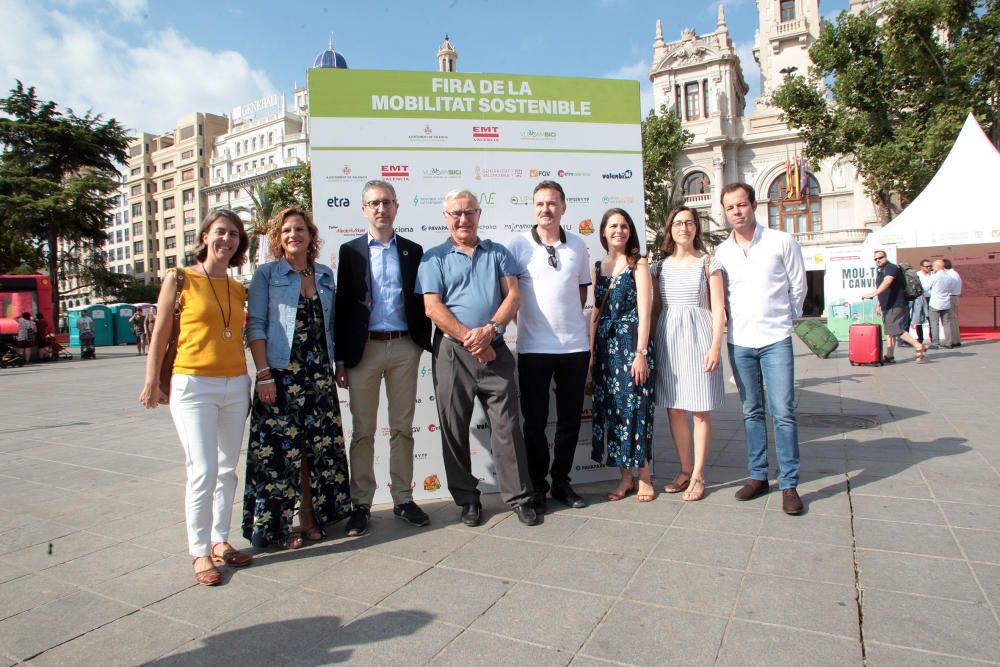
(294, 189)
(59, 173)
(663, 139)
(261, 211)
(900, 89)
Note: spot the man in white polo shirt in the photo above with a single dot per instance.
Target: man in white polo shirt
(552, 342)
(766, 286)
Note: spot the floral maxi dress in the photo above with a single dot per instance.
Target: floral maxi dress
(305, 418)
(623, 411)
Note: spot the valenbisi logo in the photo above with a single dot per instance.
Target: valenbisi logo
(617, 175)
(616, 201)
(538, 135)
(485, 133)
(395, 171)
(435, 172)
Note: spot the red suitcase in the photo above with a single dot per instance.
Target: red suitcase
(864, 343)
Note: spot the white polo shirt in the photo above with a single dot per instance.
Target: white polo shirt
(550, 320)
(765, 286)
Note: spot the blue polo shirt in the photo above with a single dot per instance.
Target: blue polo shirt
(469, 285)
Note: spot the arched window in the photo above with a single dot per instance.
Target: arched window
(696, 183)
(795, 216)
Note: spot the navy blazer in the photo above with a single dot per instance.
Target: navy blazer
(354, 298)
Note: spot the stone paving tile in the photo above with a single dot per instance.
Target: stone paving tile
(103, 565)
(208, 607)
(29, 591)
(897, 509)
(575, 569)
(989, 578)
(723, 519)
(170, 539)
(475, 647)
(150, 584)
(921, 575)
(749, 644)
(954, 628)
(560, 619)
(507, 559)
(226, 650)
(818, 528)
(705, 547)
(555, 529)
(116, 643)
(301, 566)
(447, 595)
(58, 621)
(11, 520)
(630, 632)
(367, 577)
(959, 490)
(881, 655)
(906, 537)
(979, 545)
(818, 562)
(383, 637)
(890, 486)
(661, 511)
(627, 539)
(692, 587)
(817, 606)
(36, 532)
(297, 625)
(140, 522)
(59, 550)
(963, 515)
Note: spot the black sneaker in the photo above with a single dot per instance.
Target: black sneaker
(412, 514)
(357, 523)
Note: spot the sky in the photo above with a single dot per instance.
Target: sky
(148, 62)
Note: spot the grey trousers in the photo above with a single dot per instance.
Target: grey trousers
(939, 318)
(458, 380)
(954, 337)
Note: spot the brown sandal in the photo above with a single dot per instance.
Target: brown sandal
(620, 495)
(230, 555)
(649, 496)
(676, 486)
(694, 493)
(207, 577)
(293, 542)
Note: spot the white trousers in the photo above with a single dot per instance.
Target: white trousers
(209, 413)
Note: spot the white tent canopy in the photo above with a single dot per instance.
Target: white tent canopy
(956, 206)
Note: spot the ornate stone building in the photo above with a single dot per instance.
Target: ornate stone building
(700, 79)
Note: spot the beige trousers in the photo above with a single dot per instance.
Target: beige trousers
(398, 361)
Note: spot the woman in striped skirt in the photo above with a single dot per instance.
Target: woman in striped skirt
(689, 285)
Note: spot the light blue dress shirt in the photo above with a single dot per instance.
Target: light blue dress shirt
(388, 313)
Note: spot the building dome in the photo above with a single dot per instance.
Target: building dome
(330, 59)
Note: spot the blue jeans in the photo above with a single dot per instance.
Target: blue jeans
(773, 367)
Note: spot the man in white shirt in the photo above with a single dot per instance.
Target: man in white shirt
(766, 286)
(954, 337)
(552, 341)
(942, 285)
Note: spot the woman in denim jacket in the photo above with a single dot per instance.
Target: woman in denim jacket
(295, 457)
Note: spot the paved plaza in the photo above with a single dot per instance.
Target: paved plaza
(896, 560)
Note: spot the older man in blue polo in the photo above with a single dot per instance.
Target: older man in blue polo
(470, 292)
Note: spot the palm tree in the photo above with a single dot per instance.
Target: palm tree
(260, 211)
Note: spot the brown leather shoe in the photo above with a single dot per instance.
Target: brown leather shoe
(752, 489)
(790, 501)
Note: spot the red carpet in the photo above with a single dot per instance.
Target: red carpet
(980, 333)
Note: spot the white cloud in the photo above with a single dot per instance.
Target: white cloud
(638, 71)
(130, 10)
(147, 85)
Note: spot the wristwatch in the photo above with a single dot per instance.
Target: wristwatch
(644, 351)
(498, 328)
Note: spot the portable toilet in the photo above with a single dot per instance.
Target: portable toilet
(103, 325)
(120, 315)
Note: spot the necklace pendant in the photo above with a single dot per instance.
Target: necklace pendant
(227, 333)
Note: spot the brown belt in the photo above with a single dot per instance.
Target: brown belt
(386, 335)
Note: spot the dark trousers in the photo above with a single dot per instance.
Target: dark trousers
(458, 380)
(535, 375)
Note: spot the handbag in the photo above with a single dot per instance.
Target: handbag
(170, 352)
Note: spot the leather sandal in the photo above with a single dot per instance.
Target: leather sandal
(313, 534)
(207, 577)
(696, 491)
(677, 486)
(230, 555)
(646, 496)
(620, 495)
(293, 542)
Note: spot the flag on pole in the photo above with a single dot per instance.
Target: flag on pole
(795, 176)
(803, 177)
(788, 175)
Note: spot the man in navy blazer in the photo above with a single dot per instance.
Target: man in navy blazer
(380, 331)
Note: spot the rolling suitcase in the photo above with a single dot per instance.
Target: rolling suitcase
(864, 346)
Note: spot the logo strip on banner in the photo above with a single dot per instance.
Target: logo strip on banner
(474, 150)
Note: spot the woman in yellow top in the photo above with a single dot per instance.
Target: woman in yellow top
(210, 389)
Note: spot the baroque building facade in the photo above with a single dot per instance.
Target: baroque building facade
(700, 79)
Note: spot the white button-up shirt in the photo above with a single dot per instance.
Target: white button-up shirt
(765, 286)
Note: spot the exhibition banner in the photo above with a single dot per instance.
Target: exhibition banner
(496, 135)
(850, 274)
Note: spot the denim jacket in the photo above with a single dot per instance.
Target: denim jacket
(271, 304)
